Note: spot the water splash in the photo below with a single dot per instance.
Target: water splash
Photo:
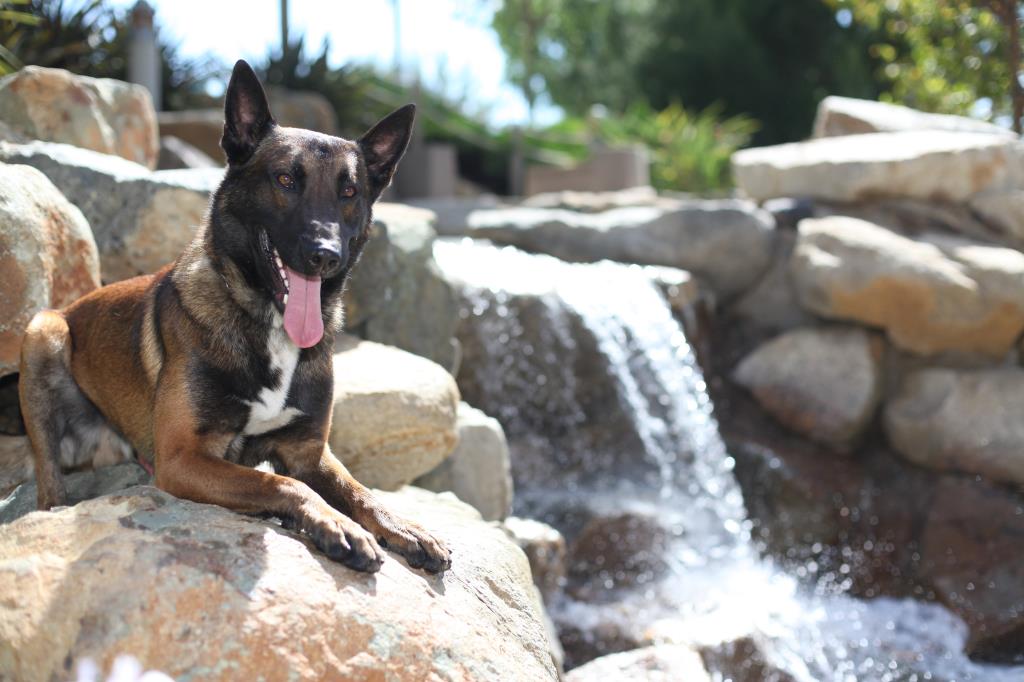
(715, 587)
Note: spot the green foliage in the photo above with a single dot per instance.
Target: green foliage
(770, 59)
(689, 151)
(936, 55)
(92, 39)
(12, 15)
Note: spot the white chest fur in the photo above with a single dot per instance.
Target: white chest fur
(268, 412)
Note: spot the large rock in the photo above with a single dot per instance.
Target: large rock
(478, 471)
(822, 383)
(728, 243)
(961, 420)
(658, 663)
(47, 255)
(394, 413)
(197, 591)
(930, 293)
(141, 220)
(850, 116)
(397, 295)
(101, 114)
(929, 165)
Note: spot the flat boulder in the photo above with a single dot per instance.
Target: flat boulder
(197, 591)
(141, 220)
(727, 243)
(394, 413)
(930, 293)
(47, 255)
(928, 165)
(961, 420)
(824, 383)
(101, 114)
(850, 116)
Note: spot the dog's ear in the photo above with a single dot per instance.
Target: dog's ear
(247, 116)
(383, 146)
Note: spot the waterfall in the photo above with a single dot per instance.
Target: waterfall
(532, 325)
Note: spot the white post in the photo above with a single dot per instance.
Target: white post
(143, 52)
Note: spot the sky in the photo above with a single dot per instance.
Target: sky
(449, 43)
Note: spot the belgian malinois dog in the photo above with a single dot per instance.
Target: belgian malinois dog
(221, 361)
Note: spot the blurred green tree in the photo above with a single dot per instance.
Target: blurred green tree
(770, 59)
(945, 55)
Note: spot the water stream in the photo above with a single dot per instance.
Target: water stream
(633, 433)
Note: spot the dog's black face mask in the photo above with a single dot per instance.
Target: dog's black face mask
(303, 198)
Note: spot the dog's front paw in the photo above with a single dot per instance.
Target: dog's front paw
(341, 538)
(419, 547)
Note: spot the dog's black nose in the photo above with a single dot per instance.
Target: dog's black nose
(323, 259)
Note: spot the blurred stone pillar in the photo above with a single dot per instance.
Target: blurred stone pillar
(144, 53)
(517, 164)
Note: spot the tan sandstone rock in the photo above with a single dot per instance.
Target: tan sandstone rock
(199, 592)
(931, 293)
(961, 420)
(878, 165)
(822, 383)
(394, 413)
(101, 114)
(851, 116)
(47, 255)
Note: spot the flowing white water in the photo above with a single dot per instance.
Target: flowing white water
(715, 587)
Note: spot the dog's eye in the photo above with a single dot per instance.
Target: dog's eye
(348, 192)
(286, 181)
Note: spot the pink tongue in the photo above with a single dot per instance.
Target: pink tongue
(302, 319)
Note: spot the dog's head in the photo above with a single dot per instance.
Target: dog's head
(303, 199)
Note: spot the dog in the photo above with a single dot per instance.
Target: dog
(222, 361)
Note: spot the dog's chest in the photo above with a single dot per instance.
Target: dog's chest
(268, 412)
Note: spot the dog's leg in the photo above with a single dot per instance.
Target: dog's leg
(190, 465)
(63, 425)
(313, 463)
(45, 368)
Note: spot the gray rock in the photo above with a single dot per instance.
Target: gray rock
(927, 165)
(452, 213)
(822, 383)
(727, 243)
(141, 220)
(772, 305)
(81, 486)
(850, 116)
(478, 471)
(931, 293)
(397, 295)
(961, 420)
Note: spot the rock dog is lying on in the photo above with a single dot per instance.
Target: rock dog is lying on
(222, 360)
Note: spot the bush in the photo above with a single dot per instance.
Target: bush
(689, 151)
